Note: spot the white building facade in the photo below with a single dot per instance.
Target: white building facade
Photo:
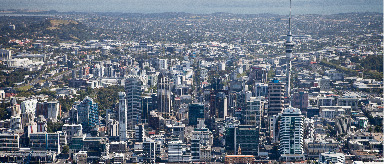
(291, 134)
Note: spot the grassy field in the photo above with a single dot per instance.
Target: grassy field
(55, 23)
(24, 88)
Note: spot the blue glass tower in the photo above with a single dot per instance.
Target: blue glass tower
(88, 114)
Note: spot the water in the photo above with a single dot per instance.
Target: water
(200, 6)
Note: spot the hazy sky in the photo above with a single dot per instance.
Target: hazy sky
(200, 6)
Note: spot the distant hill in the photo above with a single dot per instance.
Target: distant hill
(33, 27)
(56, 23)
(67, 30)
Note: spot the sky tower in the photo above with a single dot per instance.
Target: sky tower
(288, 50)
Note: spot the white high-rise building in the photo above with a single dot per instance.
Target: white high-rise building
(222, 66)
(28, 110)
(122, 116)
(28, 106)
(291, 134)
(163, 64)
(5, 54)
(54, 110)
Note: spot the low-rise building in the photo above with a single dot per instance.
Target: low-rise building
(80, 157)
(45, 142)
(177, 152)
(72, 130)
(239, 159)
(9, 142)
(332, 157)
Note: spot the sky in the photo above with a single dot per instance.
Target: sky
(200, 6)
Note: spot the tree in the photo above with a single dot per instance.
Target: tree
(107, 97)
(4, 114)
(54, 127)
(271, 74)
(373, 62)
(66, 103)
(379, 129)
(65, 149)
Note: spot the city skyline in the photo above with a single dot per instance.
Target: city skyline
(83, 87)
(200, 6)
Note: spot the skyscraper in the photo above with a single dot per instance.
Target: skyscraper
(291, 134)
(133, 96)
(195, 111)
(244, 136)
(28, 110)
(147, 105)
(88, 114)
(164, 95)
(253, 111)
(275, 97)
(122, 116)
(218, 104)
(50, 110)
(163, 64)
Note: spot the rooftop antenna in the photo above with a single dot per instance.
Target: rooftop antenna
(290, 15)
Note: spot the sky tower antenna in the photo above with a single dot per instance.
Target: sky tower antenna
(288, 50)
(290, 15)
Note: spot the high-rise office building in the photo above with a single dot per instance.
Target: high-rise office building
(149, 150)
(253, 111)
(258, 75)
(261, 89)
(147, 105)
(50, 110)
(164, 95)
(139, 133)
(195, 111)
(163, 64)
(195, 150)
(291, 133)
(201, 143)
(88, 114)
(177, 152)
(218, 104)
(5, 54)
(244, 136)
(122, 116)
(275, 97)
(28, 111)
(300, 100)
(133, 97)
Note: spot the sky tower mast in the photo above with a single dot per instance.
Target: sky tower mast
(288, 50)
